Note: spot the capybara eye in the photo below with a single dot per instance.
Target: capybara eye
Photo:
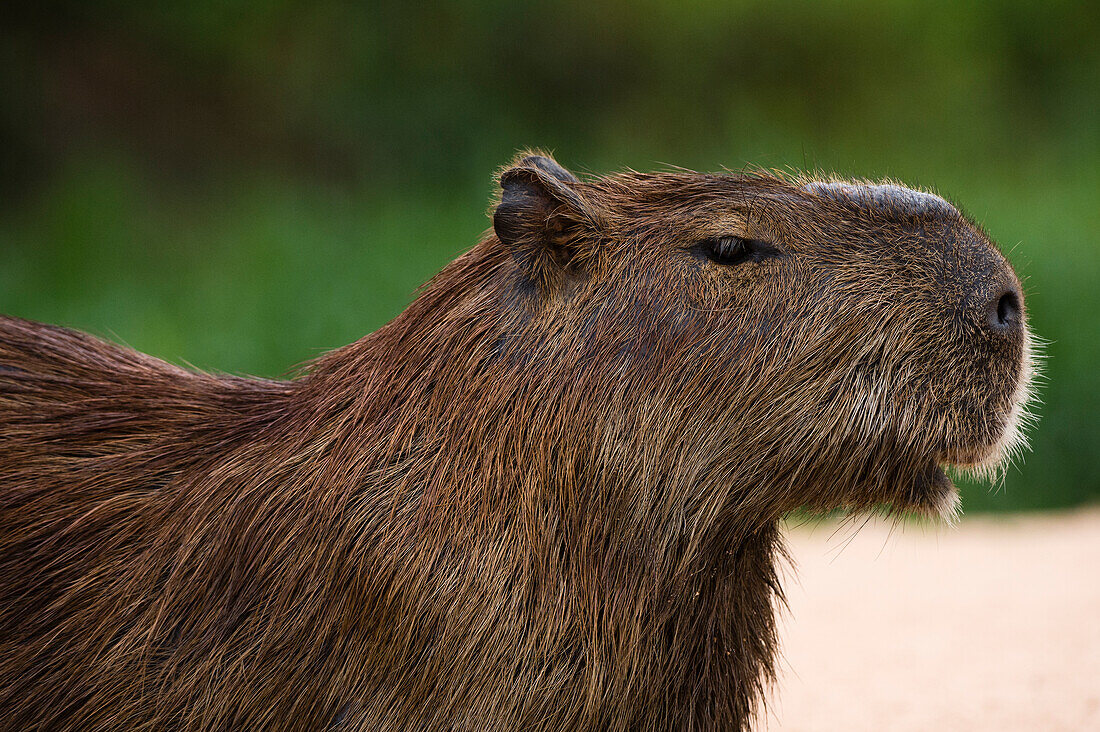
(732, 250)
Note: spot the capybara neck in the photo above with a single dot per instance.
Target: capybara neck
(661, 604)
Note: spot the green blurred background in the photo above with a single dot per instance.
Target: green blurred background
(242, 185)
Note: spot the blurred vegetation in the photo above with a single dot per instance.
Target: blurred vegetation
(241, 185)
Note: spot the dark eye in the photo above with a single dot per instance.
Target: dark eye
(732, 250)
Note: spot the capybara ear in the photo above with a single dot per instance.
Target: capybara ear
(546, 222)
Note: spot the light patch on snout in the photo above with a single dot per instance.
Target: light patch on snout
(884, 197)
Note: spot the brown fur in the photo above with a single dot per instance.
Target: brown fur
(544, 497)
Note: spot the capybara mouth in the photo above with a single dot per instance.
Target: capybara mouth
(935, 492)
(974, 458)
(990, 459)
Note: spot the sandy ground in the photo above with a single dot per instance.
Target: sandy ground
(993, 625)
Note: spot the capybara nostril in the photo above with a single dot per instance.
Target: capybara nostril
(1003, 314)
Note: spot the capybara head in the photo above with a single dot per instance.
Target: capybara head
(781, 342)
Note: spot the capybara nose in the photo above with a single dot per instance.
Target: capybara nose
(1003, 311)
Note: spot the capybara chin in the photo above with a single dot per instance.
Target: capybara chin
(545, 497)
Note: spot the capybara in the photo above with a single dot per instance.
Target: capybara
(547, 496)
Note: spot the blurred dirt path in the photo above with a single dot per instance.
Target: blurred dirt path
(994, 625)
